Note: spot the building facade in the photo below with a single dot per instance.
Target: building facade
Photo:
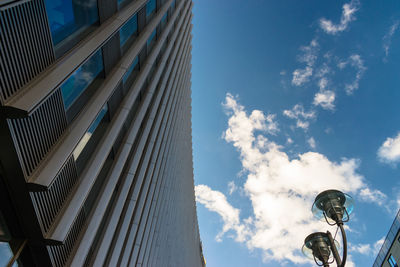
(95, 148)
(389, 254)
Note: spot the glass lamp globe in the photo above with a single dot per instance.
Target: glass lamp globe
(335, 204)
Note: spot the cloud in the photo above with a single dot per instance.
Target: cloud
(367, 249)
(281, 189)
(356, 62)
(387, 39)
(374, 196)
(231, 187)
(389, 151)
(311, 142)
(309, 56)
(348, 15)
(260, 121)
(300, 115)
(216, 201)
(325, 99)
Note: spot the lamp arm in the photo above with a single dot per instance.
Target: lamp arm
(344, 240)
(334, 249)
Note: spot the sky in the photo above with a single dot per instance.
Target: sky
(291, 98)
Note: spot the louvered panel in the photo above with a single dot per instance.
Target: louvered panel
(48, 203)
(36, 134)
(25, 45)
(60, 254)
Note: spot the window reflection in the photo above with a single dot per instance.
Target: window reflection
(134, 66)
(163, 22)
(81, 79)
(151, 41)
(128, 32)
(150, 8)
(88, 135)
(68, 19)
(5, 253)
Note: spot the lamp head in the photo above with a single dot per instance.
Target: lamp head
(316, 246)
(334, 205)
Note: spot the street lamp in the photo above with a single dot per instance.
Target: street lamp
(334, 207)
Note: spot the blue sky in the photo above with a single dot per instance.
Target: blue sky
(291, 98)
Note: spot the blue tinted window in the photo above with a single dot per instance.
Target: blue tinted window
(128, 30)
(85, 139)
(129, 71)
(163, 21)
(69, 17)
(151, 40)
(81, 79)
(392, 261)
(6, 253)
(150, 7)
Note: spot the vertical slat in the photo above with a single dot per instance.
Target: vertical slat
(25, 45)
(36, 134)
(49, 203)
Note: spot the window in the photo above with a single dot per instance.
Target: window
(150, 8)
(129, 72)
(70, 21)
(163, 22)
(152, 39)
(81, 79)
(128, 32)
(392, 261)
(88, 135)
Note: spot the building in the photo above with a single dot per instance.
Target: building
(389, 254)
(95, 148)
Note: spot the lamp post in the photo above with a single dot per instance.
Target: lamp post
(335, 207)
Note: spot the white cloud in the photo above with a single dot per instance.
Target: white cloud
(348, 15)
(311, 142)
(258, 119)
(389, 152)
(289, 140)
(216, 201)
(309, 56)
(281, 190)
(301, 76)
(375, 196)
(325, 99)
(387, 39)
(367, 249)
(301, 116)
(356, 62)
(231, 187)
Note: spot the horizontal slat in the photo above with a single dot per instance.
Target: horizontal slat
(31, 96)
(132, 170)
(134, 193)
(60, 230)
(44, 176)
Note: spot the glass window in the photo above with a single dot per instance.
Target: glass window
(150, 8)
(81, 79)
(128, 73)
(68, 19)
(163, 21)
(129, 31)
(6, 253)
(392, 261)
(85, 139)
(151, 41)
